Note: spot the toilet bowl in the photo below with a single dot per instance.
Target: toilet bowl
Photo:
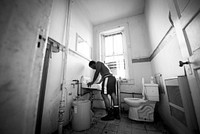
(142, 109)
(134, 102)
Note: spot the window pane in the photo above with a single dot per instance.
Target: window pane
(117, 65)
(118, 49)
(108, 45)
(114, 57)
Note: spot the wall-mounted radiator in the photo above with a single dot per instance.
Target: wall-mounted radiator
(180, 101)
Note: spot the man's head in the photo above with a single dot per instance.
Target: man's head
(92, 64)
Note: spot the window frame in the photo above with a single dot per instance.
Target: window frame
(103, 53)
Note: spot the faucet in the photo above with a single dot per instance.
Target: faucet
(77, 81)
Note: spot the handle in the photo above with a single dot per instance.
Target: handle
(77, 81)
(181, 63)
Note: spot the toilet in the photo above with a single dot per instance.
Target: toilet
(142, 109)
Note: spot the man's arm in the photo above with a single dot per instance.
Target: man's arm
(98, 68)
(94, 79)
(95, 75)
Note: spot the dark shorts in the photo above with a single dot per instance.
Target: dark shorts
(109, 85)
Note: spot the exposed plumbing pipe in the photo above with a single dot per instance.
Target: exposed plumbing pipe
(63, 85)
(79, 93)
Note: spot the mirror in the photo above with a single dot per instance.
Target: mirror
(82, 47)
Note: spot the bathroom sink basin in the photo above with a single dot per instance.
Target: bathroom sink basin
(93, 87)
(84, 80)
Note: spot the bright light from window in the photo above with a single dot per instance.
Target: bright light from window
(118, 48)
(109, 45)
(114, 57)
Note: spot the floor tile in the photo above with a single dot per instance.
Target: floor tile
(138, 126)
(122, 126)
(138, 131)
(112, 127)
(123, 132)
(151, 126)
(100, 125)
(154, 132)
(105, 131)
(94, 131)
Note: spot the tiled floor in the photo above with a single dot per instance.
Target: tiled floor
(122, 126)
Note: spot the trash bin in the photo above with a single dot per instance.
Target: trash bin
(81, 117)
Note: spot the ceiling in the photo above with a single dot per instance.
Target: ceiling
(102, 11)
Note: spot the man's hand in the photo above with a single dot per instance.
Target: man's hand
(89, 84)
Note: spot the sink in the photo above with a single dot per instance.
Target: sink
(93, 87)
(84, 80)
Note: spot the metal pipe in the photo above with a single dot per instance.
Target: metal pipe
(63, 85)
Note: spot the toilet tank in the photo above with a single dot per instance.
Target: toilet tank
(151, 92)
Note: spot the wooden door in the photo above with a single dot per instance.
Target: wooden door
(186, 19)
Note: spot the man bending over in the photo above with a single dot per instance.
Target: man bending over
(109, 86)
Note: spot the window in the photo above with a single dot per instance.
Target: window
(114, 54)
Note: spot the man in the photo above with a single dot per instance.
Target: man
(108, 87)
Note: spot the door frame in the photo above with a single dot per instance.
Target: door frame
(43, 89)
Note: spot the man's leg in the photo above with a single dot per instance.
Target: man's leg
(106, 100)
(116, 106)
(109, 115)
(114, 98)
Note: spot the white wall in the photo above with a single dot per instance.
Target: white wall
(79, 24)
(82, 26)
(139, 38)
(156, 14)
(76, 64)
(167, 60)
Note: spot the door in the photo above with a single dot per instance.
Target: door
(42, 89)
(186, 19)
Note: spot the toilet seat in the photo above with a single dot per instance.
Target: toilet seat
(134, 102)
